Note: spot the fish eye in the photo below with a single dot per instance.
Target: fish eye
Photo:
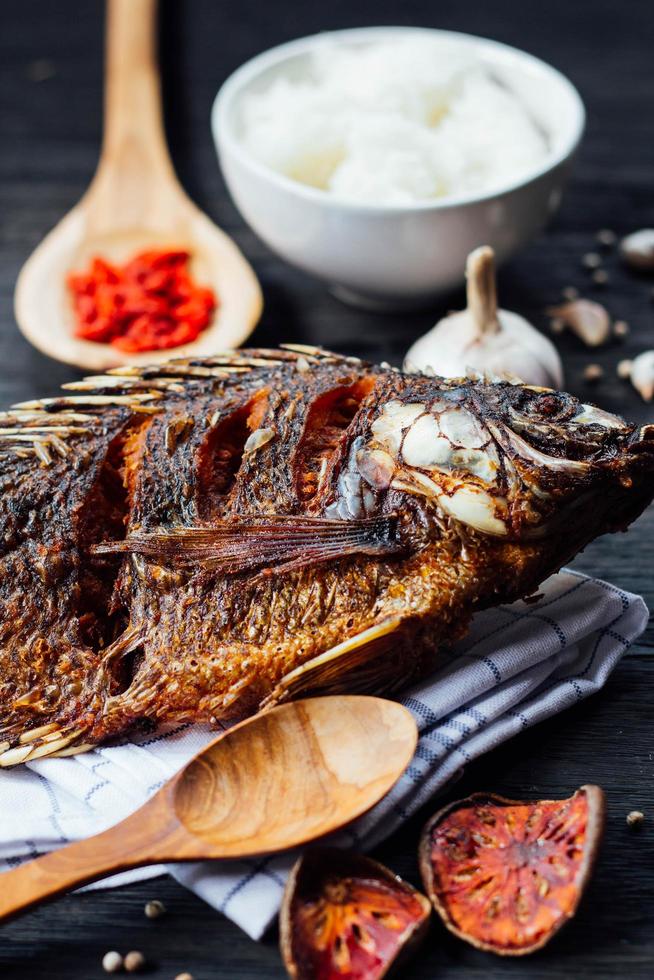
(551, 406)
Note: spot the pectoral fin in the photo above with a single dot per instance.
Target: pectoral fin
(361, 664)
(270, 545)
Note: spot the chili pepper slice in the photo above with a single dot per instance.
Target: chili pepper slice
(149, 303)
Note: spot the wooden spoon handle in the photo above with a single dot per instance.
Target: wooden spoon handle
(136, 841)
(133, 124)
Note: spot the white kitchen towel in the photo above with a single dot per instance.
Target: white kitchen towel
(517, 665)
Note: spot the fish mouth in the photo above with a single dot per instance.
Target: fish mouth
(642, 439)
(639, 441)
(511, 442)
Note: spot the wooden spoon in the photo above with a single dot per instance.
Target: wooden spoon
(277, 780)
(134, 202)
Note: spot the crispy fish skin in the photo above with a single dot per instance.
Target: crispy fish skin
(196, 540)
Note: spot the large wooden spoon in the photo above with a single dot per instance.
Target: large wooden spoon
(134, 202)
(275, 781)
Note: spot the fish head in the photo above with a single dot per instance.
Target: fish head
(509, 460)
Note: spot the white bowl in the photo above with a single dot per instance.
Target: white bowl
(400, 255)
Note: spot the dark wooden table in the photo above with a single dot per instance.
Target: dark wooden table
(50, 108)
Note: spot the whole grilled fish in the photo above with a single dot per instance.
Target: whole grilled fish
(196, 540)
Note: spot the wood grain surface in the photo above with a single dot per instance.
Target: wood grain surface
(50, 102)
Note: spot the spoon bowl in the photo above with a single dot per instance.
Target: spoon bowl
(135, 202)
(280, 779)
(304, 768)
(44, 310)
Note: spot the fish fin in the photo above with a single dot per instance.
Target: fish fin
(77, 749)
(357, 665)
(276, 544)
(127, 642)
(46, 741)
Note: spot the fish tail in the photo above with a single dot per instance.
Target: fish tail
(45, 741)
(28, 739)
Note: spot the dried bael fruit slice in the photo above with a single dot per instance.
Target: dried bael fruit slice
(346, 917)
(505, 875)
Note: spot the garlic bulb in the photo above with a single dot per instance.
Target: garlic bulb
(640, 372)
(484, 339)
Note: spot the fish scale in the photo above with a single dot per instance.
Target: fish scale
(194, 540)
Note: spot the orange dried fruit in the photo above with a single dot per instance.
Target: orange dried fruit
(346, 917)
(505, 875)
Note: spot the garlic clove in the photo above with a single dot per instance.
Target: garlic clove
(590, 321)
(642, 374)
(484, 339)
(624, 369)
(637, 249)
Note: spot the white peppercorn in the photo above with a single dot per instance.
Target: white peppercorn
(134, 961)
(112, 962)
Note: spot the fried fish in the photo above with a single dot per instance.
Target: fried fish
(199, 539)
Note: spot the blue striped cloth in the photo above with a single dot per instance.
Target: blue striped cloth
(518, 665)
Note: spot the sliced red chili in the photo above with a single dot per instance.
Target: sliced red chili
(149, 303)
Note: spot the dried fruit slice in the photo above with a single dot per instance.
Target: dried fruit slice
(346, 917)
(505, 875)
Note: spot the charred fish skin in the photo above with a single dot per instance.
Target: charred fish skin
(191, 541)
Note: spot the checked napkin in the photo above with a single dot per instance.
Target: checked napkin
(518, 665)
